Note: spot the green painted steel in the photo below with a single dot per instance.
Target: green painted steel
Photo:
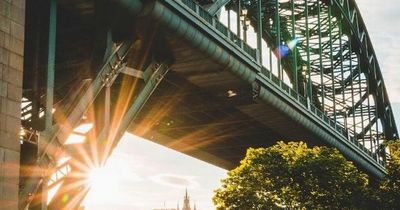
(58, 134)
(30, 185)
(216, 6)
(156, 75)
(343, 78)
(207, 38)
(51, 60)
(333, 65)
(351, 151)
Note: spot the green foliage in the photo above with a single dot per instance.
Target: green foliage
(292, 176)
(389, 189)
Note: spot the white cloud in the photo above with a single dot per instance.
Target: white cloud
(175, 180)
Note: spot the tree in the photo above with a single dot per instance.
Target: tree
(389, 189)
(292, 176)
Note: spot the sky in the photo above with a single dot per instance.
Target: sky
(141, 175)
(382, 19)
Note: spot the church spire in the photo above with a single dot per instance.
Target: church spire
(186, 202)
(194, 206)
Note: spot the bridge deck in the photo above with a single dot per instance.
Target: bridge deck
(193, 111)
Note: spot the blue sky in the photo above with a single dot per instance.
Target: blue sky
(143, 175)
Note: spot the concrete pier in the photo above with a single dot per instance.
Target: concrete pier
(12, 21)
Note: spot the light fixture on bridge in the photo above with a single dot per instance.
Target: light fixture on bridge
(231, 93)
(304, 70)
(245, 22)
(244, 12)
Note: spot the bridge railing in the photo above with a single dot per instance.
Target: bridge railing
(251, 52)
(279, 83)
(320, 115)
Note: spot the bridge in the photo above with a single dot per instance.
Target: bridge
(209, 78)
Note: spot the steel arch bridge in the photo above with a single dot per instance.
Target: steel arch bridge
(209, 78)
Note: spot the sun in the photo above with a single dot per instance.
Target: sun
(98, 176)
(103, 182)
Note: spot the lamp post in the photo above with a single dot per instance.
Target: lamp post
(245, 22)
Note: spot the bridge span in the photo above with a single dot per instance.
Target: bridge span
(209, 78)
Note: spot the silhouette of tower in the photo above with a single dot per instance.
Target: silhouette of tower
(186, 202)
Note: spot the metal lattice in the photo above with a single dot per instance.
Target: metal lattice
(332, 63)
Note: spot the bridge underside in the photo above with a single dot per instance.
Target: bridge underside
(203, 110)
(200, 108)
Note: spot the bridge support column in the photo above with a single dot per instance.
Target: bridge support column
(51, 64)
(12, 20)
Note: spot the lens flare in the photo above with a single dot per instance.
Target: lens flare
(292, 43)
(103, 183)
(284, 49)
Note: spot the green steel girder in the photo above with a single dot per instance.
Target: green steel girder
(51, 144)
(359, 103)
(189, 21)
(366, 128)
(51, 60)
(108, 72)
(216, 6)
(321, 24)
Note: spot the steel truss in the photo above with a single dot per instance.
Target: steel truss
(332, 64)
(69, 176)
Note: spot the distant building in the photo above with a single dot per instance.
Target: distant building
(186, 204)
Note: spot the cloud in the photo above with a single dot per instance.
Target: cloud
(175, 180)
